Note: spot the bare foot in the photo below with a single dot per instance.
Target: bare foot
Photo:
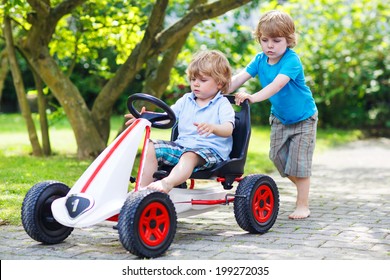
(160, 186)
(301, 212)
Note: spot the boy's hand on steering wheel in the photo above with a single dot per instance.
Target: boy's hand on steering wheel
(132, 118)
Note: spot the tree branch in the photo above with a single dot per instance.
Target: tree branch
(156, 19)
(44, 22)
(168, 36)
(65, 7)
(41, 7)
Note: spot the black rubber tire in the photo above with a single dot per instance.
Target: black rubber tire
(147, 223)
(37, 217)
(256, 204)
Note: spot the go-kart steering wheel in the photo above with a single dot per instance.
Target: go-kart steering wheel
(157, 119)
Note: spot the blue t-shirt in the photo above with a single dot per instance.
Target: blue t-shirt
(294, 102)
(217, 111)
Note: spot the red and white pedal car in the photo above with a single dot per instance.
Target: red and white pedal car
(147, 219)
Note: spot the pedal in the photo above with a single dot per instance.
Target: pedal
(160, 174)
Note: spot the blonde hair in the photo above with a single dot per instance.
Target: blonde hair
(276, 24)
(211, 63)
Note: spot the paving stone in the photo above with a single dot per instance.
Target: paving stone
(350, 220)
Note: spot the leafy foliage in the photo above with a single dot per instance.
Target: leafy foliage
(343, 45)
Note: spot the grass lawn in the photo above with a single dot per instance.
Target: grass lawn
(19, 170)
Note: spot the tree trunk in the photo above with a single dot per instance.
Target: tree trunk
(89, 141)
(20, 90)
(3, 70)
(42, 115)
(35, 49)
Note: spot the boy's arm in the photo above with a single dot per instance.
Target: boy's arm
(277, 84)
(238, 80)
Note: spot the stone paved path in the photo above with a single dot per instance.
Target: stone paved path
(350, 220)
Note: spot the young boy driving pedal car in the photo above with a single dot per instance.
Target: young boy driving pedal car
(205, 125)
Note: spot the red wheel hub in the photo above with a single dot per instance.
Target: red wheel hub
(154, 224)
(262, 203)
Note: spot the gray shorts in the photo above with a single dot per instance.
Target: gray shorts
(292, 146)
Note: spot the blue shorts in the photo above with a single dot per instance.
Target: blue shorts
(169, 153)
